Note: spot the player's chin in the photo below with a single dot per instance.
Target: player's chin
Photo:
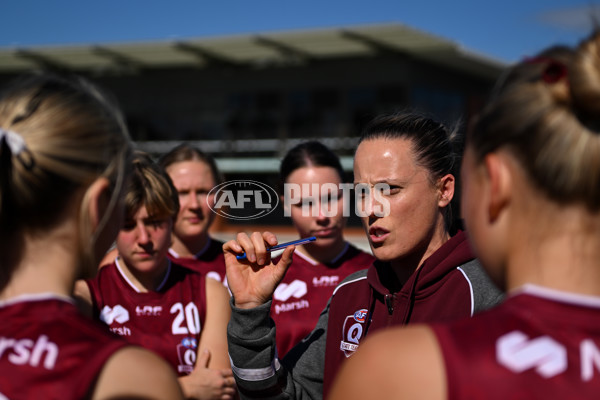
(145, 264)
(194, 228)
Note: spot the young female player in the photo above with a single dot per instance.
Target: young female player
(311, 176)
(152, 302)
(194, 173)
(64, 154)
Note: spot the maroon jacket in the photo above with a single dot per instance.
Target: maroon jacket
(449, 284)
(440, 290)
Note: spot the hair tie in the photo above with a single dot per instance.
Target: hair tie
(15, 142)
(17, 146)
(554, 71)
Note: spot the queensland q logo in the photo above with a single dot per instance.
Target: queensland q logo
(242, 200)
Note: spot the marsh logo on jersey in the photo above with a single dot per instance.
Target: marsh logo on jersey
(285, 291)
(117, 313)
(186, 353)
(352, 331)
(295, 289)
(25, 351)
(518, 353)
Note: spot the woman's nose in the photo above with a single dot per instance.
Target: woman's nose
(143, 234)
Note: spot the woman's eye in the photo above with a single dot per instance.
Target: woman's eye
(385, 189)
(155, 223)
(390, 190)
(359, 192)
(328, 198)
(306, 205)
(128, 226)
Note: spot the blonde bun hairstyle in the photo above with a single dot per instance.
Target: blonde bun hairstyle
(546, 111)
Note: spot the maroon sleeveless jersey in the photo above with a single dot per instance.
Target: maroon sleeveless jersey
(48, 350)
(304, 291)
(210, 261)
(538, 344)
(168, 321)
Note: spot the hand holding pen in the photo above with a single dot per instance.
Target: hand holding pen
(252, 279)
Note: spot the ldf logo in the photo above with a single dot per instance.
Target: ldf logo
(243, 200)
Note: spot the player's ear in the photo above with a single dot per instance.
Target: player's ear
(499, 178)
(446, 186)
(98, 196)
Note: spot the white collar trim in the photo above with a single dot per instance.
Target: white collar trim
(335, 259)
(558, 295)
(131, 284)
(198, 254)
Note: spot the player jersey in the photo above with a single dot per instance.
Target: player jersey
(538, 344)
(304, 291)
(209, 261)
(168, 321)
(49, 350)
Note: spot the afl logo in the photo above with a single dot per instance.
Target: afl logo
(242, 199)
(189, 343)
(360, 315)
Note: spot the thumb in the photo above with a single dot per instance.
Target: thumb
(204, 359)
(286, 258)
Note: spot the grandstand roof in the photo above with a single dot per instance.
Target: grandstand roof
(255, 50)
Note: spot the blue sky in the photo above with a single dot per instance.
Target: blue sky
(504, 29)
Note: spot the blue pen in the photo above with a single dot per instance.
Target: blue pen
(283, 246)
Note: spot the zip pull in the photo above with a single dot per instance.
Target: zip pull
(389, 302)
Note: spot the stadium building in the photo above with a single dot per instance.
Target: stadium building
(246, 99)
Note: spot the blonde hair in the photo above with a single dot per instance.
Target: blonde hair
(72, 135)
(546, 111)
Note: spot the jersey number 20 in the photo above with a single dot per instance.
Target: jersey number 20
(187, 320)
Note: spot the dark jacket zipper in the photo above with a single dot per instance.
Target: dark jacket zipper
(389, 302)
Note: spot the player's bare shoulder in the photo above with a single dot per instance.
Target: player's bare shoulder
(134, 372)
